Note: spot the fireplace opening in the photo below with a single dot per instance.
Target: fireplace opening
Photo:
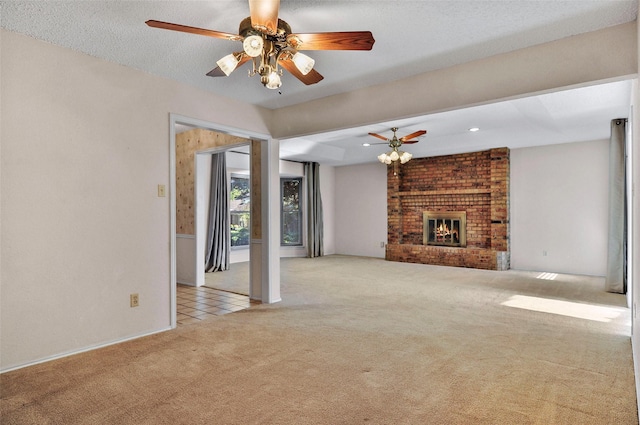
(448, 228)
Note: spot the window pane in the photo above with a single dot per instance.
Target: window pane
(290, 195)
(239, 206)
(291, 211)
(291, 228)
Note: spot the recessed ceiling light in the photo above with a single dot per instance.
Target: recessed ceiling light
(474, 129)
(366, 144)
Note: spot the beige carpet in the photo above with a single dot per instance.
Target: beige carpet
(359, 340)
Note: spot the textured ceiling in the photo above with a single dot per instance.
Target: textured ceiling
(412, 37)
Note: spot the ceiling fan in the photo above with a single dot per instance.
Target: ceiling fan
(395, 143)
(269, 42)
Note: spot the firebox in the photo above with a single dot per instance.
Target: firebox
(448, 228)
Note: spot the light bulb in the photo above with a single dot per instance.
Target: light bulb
(273, 81)
(228, 63)
(394, 155)
(303, 62)
(252, 45)
(382, 157)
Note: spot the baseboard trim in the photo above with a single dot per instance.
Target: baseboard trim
(636, 369)
(82, 350)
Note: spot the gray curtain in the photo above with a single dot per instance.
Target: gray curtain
(615, 280)
(218, 236)
(315, 228)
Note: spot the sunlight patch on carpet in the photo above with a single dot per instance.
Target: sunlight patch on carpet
(596, 313)
(547, 276)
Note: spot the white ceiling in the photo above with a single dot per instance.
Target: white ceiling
(576, 115)
(412, 37)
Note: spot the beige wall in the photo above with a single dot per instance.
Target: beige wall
(635, 267)
(566, 216)
(86, 142)
(559, 208)
(577, 60)
(361, 209)
(84, 145)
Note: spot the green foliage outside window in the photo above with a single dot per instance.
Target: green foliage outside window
(240, 206)
(291, 211)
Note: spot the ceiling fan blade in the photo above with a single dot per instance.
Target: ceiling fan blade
(378, 136)
(193, 30)
(351, 40)
(311, 78)
(264, 15)
(217, 72)
(412, 135)
(409, 142)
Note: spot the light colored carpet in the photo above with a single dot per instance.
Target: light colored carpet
(360, 340)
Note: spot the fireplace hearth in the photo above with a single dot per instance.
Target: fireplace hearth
(445, 228)
(451, 210)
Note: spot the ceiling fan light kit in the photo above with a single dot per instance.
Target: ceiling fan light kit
(270, 43)
(395, 154)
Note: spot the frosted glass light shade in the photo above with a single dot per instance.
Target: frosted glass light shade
(252, 45)
(273, 81)
(405, 157)
(228, 63)
(394, 155)
(303, 62)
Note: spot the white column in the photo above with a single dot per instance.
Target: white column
(265, 252)
(271, 221)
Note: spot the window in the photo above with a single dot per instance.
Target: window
(239, 206)
(291, 211)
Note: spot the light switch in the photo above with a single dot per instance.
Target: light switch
(161, 191)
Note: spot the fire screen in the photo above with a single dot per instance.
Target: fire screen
(448, 228)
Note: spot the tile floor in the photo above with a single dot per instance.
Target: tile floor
(199, 303)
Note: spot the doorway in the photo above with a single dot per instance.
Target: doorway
(192, 241)
(236, 278)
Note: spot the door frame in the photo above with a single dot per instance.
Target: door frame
(175, 119)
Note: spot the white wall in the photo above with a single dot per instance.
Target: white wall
(559, 199)
(361, 210)
(327, 192)
(185, 259)
(84, 146)
(571, 61)
(634, 122)
(559, 207)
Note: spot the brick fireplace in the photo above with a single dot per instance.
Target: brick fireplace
(428, 195)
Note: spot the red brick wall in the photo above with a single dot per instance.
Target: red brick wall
(477, 183)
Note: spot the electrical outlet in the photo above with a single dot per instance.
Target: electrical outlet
(161, 191)
(381, 244)
(544, 253)
(134, 300)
